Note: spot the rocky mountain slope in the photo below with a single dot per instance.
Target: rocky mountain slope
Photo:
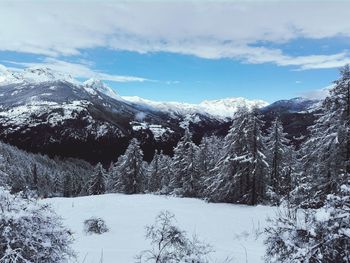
(45, 111)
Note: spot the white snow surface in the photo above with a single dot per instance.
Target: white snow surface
(223, 108)
(230, 229)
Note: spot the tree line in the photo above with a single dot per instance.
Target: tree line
(247, 166)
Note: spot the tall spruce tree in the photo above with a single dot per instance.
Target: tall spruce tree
(159, 173)
(241, 172)
(209, 153)
(319, 231)
(154, 174)
(129, 173)
(185, 179)
(327, 152)
(166, 172)
(97, 182)
(282, 162)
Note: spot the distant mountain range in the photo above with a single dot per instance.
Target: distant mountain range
(45, 111)
(220, 109)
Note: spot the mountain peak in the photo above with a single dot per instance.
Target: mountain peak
(33, 75)
(92, 85)
(45, 74)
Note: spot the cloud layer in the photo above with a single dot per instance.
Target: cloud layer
(212, 30)
(76, 70)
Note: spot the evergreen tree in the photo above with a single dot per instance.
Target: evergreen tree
(31, 232)
(327, 152)
(57, 183)
(97, 182)
(35, 177)
(166, 172)
(312, 235)
(282, 162)
(209, 153)
(320, 231)
(240, 173)
(129, 174)
(45, 185)
(158, 173)
(67, 185)
(4, 177)
(185, 179)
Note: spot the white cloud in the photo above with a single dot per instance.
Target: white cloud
(317, 94)
(209, 30)
(77, 70)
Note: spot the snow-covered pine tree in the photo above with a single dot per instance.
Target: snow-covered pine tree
(209, 153)
(4, 177)
(312, 235)
(185, 179)
(45, 184)
(319, 232)
(31, 232)
(67, 185)
(155, 173)
(35, 178)
(240, 175)
(129, 173)
(282, 162)
(166, 172)
(97, 182)
(57, 183)
(223, 185)
(327, 152)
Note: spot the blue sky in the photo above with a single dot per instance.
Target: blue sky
(183, 51)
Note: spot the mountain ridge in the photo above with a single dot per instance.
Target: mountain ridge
(51, 113)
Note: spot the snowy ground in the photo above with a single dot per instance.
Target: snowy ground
(231, 229)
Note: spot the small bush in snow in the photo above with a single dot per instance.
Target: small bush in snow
(95, 226)
(171, 245)
(31, 232)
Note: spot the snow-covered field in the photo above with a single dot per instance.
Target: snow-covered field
(231, 229)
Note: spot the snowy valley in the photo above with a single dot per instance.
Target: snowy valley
(248, 195)
(150, 131)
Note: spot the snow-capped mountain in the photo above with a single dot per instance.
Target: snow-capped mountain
(294, 105)
(95, 85)
(32, 75)
(223, 108)
(45, 111)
